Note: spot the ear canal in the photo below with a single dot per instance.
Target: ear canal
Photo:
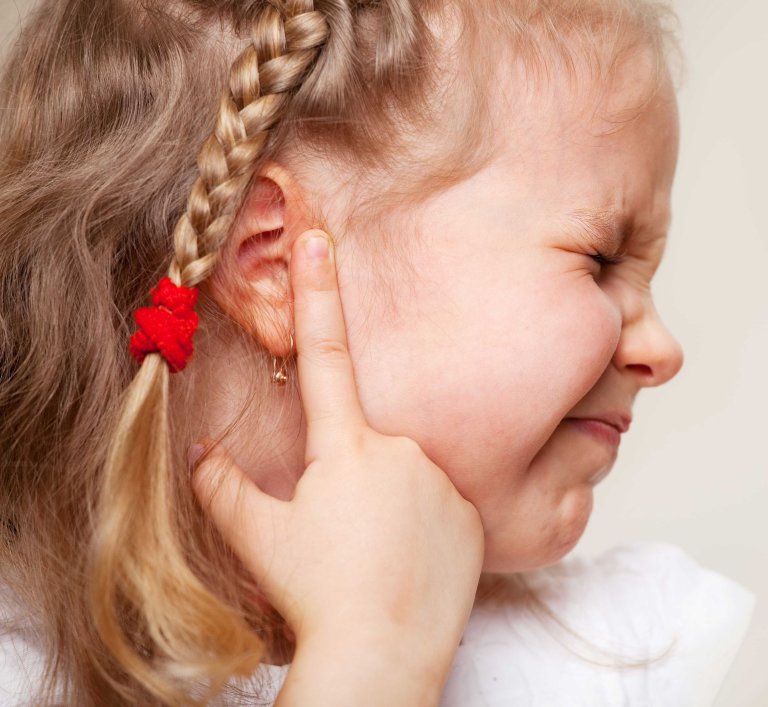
(262, 216)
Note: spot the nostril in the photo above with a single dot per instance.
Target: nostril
(641, 369)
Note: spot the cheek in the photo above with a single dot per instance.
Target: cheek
(584, 328)
(544, 354)
(455, 372)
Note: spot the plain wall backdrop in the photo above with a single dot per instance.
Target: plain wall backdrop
(694, 469)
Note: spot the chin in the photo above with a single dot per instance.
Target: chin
(547, 543)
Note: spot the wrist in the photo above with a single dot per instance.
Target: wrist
(372, 668)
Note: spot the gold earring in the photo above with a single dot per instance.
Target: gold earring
(280, 376)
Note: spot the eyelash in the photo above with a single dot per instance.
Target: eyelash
(607, 260)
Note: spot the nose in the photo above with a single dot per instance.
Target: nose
(648, 350)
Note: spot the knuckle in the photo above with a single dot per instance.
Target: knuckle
(349, 441)
(323, 417)
(472, 514)
(328, 348)
(471, 517)
(407, 446)
(357, 443)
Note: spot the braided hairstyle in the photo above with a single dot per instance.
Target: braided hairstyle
(103, 102)
(115, 135)
(299, 61)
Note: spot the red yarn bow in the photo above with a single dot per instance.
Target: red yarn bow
(167, 328)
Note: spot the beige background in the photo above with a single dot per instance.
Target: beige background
(694, 469)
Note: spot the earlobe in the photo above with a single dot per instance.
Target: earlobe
(251, 283)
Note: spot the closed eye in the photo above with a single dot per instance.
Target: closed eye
(607, 260)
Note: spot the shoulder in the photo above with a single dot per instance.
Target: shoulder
(650, 560)
(657, 577)
(674, 601)
(651, 580)
(632, 603)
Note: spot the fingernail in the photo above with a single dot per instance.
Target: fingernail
(316, 247)
(194, 453)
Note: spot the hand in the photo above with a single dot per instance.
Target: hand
(376, 538)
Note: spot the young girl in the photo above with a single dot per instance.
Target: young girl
(341, 470)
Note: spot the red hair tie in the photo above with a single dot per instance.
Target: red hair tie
(166, 328)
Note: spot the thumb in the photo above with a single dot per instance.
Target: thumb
(246, 517)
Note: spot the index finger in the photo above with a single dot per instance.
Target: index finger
(328, 389)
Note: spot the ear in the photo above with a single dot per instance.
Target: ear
(251, 282)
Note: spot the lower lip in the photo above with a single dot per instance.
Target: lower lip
(601, 431)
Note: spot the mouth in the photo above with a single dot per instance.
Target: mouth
(618, 420)
(606, 429)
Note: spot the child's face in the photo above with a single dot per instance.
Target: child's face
(505, 327)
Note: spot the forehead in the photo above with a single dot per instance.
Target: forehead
(583, 94)
(595, 139)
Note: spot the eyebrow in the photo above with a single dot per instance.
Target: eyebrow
(603, 226)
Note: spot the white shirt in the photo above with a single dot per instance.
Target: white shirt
(632, 600)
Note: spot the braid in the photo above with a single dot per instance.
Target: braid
(140, 598)
(286, 39)
(283, 47)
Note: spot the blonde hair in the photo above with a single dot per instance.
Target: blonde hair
(104, 190)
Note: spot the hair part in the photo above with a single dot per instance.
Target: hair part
(131, 133)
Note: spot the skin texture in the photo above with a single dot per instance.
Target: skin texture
(372, 520)
(514, 327)
(504, 325)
